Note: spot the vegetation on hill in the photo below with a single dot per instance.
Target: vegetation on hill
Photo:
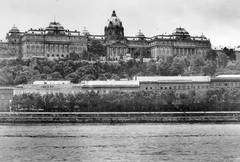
(85, 66)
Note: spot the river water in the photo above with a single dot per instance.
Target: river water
(123, 142)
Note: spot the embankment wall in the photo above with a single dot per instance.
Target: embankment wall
(118, 117)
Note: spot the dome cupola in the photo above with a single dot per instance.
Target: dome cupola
(114, 28)
(140, 35)
(114, 21)
(14, 31)
(13, 35)
(85, 32)
(55, 28)
(181, 33)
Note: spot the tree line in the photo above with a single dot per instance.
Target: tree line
(222, 99)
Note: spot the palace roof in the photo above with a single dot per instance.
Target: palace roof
(114, 21)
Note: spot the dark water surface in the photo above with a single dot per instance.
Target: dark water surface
(123, 142)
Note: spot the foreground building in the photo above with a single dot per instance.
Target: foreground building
(226, 81)
(55, 41)
(108, 86)
(48, 87)
(199, 84)
(175, 83)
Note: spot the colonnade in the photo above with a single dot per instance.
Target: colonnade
(114, 52)
(184, 51)
(54, 48)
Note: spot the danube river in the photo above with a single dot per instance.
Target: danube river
(120, 142)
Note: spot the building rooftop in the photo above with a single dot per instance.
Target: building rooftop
(55, 28)
(180, 32)
(228, 76)
(173, 78)
(110, 83)
(52, 82)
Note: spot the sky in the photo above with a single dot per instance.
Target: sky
(218, 20)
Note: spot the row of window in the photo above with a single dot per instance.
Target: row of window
(110, 90)
(57, 55)
(57, 38)
(229, 84)
(179, 43)
(182, 87)
(56, 49)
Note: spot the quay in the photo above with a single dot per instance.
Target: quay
(119, 117)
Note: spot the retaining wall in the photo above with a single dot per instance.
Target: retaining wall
(118, 117)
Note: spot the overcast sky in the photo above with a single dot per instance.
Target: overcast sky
(218, 20)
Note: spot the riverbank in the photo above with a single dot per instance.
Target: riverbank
(118, 117)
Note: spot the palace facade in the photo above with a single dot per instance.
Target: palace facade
(161, 46)
(55, 41)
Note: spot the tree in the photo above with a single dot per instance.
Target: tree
(211, 55)
(56, 76)
(197, 61)
(58, 68)
(177, 66)
(74, 56)
(222, 60)
(46, 69)
(164, 68)
(73, 77)
(88, 77)
(115, 77)
(11, 50)
(133, 71)
(88, 69)
(102, 77)
(151, 68)
(97, 48)
(209, 68)
(67, 70)
(230, 53)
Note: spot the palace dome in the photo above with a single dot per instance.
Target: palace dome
(55, 28)
(114, 21)
(114, 28)
(85, 31)
(14, 30)
(180, 32)
(140, 34)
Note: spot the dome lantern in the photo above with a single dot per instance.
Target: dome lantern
(114, 14)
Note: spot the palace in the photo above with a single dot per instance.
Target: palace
(55, 41)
